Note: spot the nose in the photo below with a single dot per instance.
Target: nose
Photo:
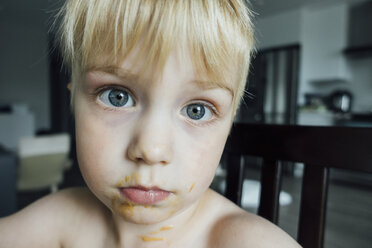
(151, 142)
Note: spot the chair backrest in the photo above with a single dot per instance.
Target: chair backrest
(319, 148)
(42, 160)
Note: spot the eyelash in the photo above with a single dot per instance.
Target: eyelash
(207, 104)
(98, 92)
(204, 103)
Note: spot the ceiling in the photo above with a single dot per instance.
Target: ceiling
(28, 11)
(271, 7)
(40, 9)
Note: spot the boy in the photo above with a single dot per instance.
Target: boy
(155, 87)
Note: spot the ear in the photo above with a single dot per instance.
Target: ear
(69, 86)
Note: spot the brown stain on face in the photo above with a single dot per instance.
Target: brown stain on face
(164, 228)
(134, 179)
(149, 239)
(192, 187)
(120, 184)
(127, 209)
(172, 212)
(174, 208)
(113, 200)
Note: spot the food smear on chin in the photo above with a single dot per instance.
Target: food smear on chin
(192, 187)
(113, 200)
(149, 239)
(127, 209)
(120, 184)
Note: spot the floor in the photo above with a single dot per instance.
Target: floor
(349, 210)
(349, 214)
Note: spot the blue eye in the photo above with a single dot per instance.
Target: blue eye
(117, 98)
(197, 111)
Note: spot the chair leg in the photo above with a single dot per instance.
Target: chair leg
(313, 207)
(271, 180)
(234, 178)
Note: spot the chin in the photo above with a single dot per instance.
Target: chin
(145, 215)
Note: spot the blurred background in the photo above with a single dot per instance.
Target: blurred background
(313, 66)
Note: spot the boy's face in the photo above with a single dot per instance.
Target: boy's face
(149, 149)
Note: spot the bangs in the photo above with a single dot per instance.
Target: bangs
(217, 35)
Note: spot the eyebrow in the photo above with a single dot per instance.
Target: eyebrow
(126, 74)
(207, 85)
(116, 71)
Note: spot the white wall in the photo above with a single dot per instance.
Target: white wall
(24, 66)
(321, 30)
(323, 38)
(278, 30)
(361, 83)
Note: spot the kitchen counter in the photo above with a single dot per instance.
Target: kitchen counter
(327, 118)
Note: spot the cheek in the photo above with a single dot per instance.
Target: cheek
(87, 149)
(202, 156)
(97, 150)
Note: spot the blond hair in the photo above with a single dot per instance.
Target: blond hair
(217, 34)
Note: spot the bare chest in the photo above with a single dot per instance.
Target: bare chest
(103, 239)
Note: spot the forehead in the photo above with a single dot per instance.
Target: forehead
(178, 64)
(217, 34)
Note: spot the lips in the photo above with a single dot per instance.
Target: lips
(143, 195)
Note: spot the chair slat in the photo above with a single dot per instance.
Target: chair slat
(330, 146)
(319, 148)
(313, 206)
(271, 178)
(234, 178)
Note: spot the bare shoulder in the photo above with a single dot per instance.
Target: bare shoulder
(48, 221)
(235, 227)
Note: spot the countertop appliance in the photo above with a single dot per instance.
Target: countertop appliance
(340, 101)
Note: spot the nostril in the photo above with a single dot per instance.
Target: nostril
(140, 160)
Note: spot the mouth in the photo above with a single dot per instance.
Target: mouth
(144, 195)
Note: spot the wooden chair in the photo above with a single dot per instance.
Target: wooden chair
(319, 148)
